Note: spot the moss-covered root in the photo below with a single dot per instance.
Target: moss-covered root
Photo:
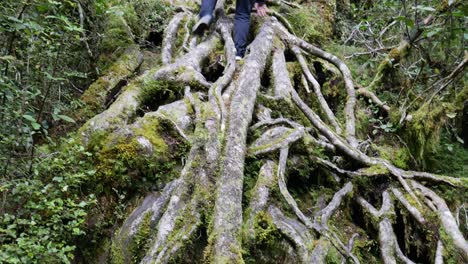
(227, 218)
(389, 248)
(122, 110)
(260, 195)
(169, 38)
(350, 127)
(448, 222)
(106, 86)
(187, 68)
(132, 237)
(296, 232)
(393, 57)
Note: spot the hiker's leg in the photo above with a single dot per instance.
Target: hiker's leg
(206, 15)
(207, 7)
(242, 25)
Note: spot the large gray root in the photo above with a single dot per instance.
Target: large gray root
(449, 224)
(280, 73)
(187, 68)
(328, 211)
(227, 217)
(224, 26)
(412, 209)
(284, 189)
(276, 138)
(153, 205)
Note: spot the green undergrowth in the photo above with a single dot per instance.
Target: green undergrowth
(451, 159)
(47, 212)
(360, 66)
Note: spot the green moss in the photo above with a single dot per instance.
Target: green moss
(140, 244)
(451, 253)
(265, 231)
(117, 256)
(94, 98)
(130, 22)
(266, 247)
(399, 157)
(422, 133)
(363, 124)
(158, 91)
(311, 25)
(271, 143)
(123, 162)
(333, 256)
(117, 35)
(367, 250)
(376, 169)
(284, 108)
(151, 131)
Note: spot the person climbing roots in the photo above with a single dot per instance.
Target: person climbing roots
(241, 21)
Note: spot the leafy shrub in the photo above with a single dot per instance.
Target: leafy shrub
(46, 212)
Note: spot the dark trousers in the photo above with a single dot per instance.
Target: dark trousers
(241, 21)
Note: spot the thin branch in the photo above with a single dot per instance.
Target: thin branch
(370, 95)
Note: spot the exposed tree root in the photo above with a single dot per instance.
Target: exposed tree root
(447, 220)
(215, 118)
(228, 206)
(317, 89)
(295, 231)
(389, 248)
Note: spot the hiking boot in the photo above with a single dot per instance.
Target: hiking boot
(202, 24)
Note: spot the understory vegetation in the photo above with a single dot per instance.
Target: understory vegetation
(341, 136)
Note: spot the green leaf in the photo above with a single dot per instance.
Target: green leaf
(14, 19)
(8, 58)
(35, 126)
(29, 118)
(451, 115)
(58, 179)
(424, 8)
(66, 118)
